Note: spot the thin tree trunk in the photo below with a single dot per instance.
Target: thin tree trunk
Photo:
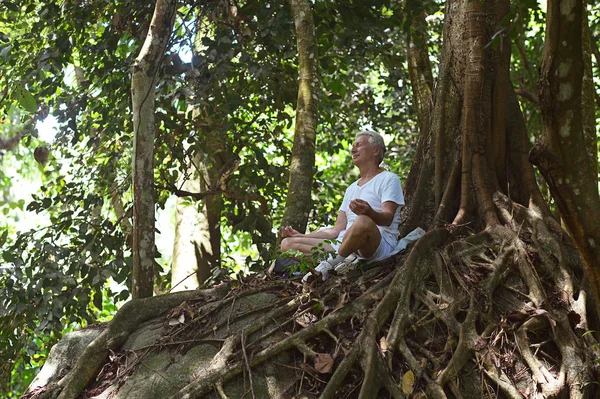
(210, 250)
(596, 52)
(421, 78)
(298, 203)
(588, 94)
(197, 244)
(190, 226)
(143, 84)
(122, 218)
(566, 157)
(419, 66)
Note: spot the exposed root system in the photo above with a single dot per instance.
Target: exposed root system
(500, 313)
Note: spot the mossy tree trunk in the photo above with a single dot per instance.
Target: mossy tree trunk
(567, 155)
(419, 66)
(143, 82)
(302, 164)
(472, 174)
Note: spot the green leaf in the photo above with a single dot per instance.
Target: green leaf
(8, 256)
(4, 52)
(3, 237)
(25, 99)
(337, 87)
(11, 6)
(98, 299)
(46, 202)
(34, 205)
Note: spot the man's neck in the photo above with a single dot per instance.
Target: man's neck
(367, 172)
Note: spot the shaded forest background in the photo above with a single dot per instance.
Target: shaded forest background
(226, 100)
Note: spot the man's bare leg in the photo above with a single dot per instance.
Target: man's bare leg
(304, 244)
(362, 237)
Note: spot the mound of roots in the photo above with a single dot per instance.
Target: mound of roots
(494, 314)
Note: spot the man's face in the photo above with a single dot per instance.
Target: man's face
(362, 151)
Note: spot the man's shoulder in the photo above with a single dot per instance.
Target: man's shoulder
(351, 186)
(387, 176)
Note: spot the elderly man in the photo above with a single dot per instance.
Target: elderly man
(367, 222)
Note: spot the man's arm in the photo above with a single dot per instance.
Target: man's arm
(383, 218)
(329, 233)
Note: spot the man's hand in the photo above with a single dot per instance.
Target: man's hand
(361, 207)
(287, 231)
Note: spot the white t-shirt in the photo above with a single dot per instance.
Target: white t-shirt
(383, 187)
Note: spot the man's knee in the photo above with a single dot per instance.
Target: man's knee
(364, 223)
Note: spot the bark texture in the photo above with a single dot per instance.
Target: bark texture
(567, 155)
(143, 82)
(588, 96)
(298, 202)
(472, 173)
(419, 66)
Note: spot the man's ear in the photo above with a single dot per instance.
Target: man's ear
(378, 152)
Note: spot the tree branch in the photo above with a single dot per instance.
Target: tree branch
(528, 95)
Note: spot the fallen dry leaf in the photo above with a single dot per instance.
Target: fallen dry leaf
(383, 345)
(306, 319)
(480, 344)
(175, 321)
(408, 382)
(323, 363)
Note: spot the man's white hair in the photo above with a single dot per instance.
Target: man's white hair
(375, 140)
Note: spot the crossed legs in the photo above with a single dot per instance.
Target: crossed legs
(304, 244)
(362, 237)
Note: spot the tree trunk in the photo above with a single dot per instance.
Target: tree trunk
(298, 203)
(473, 173)
(567, 156)
(596, 52)
(197, 246)
(143, 82)
(588, 97)
(419, 66)
(190, 227)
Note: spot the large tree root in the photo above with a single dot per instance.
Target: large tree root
(452, 291)
(126, 321)
(505, 305)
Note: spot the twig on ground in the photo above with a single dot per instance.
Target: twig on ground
(243, 343)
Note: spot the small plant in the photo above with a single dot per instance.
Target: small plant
(306, 262)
